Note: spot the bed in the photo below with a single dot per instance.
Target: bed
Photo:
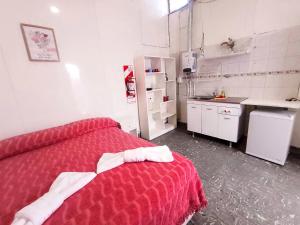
(132, 194)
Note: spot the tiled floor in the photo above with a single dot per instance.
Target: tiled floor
(241, 190)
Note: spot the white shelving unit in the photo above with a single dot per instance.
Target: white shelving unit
(156, 116)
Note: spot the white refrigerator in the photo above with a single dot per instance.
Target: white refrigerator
(269, 134)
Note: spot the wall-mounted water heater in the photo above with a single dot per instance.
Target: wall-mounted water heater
(189, 62)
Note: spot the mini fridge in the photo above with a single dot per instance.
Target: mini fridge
(269, 134)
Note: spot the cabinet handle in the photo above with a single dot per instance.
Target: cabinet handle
(209, 109)
(226, 118)
(193, 107)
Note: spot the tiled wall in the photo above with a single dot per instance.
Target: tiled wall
(274, 51)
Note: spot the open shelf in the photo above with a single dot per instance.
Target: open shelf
(154, 111)
(154, 73)
(232, 54)
(156, 132)
(166, 102)
(167, 115)
(156, 116)
(157, 89)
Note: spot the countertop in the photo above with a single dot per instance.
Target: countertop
(229, 100)
(272, 103)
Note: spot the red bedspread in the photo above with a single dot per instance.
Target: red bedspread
(132, 194)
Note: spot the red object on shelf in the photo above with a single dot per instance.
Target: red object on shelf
(166, 98)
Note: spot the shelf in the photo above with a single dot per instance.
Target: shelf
(155, 116)
(166, 102)
(227, 55)
(167, 115)
(154, 133)
(154, 111)
(154, 73)
(154, 90)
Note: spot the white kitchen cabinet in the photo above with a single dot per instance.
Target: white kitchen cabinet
(230, 123)
(194, 118)
(228, 127)
(210, 120)
(216, 119)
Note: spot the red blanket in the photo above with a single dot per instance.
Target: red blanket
(134, 193)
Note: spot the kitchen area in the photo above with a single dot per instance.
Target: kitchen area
(268, 126)
(228, 82)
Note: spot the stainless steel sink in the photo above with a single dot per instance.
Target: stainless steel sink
(202, 97)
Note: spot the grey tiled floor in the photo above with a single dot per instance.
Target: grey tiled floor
(241, 190)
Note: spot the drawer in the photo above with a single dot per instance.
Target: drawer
(229, 111)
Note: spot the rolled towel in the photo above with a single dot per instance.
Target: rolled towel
(68, 183)
(109, 161)
(154, 154)
(40, 210)
(65, 185)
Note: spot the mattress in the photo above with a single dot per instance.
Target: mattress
(132, 194)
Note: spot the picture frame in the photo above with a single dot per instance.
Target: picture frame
(40, 43)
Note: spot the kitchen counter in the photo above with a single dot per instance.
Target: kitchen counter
(229, 100)
(272, 103)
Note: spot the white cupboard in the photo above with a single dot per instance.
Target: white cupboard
(220, 120)
(194, 118)
(210, 120)
(228, 127)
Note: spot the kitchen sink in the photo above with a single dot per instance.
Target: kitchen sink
(202, 97)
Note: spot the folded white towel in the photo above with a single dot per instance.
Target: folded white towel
(156, 154)
(63, 187)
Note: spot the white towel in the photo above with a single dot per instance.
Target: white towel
(156, 154)
(65, 185)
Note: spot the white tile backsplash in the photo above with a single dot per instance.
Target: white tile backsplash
(293, 49)
(279, 38)
(275, 64)
(257, 93)
(274, 51)
(258, 81)
(292, 63)
(260, 53)
(294, 34)
(278, 51)
(280, 93)
(244, 67)
(258, 65)
(262, 40)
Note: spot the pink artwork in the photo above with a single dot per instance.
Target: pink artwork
(40, 43)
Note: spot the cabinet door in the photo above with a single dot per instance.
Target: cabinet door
(228, 127)
(194, 118)
(210, 120)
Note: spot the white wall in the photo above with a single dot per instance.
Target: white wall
(96, 36)
(274, 26)
(240, 18)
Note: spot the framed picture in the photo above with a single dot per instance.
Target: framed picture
(40, 43)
